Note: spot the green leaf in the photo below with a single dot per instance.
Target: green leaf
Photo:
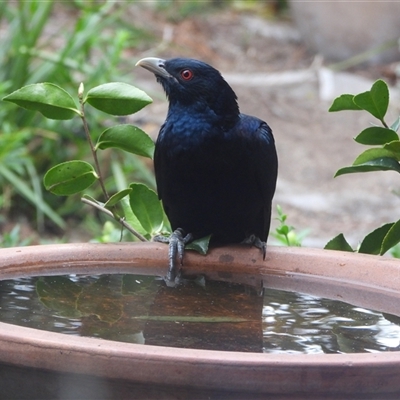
(60, 294)
(375, 101)
(396, 125)
(394, 148)
(376, 135)
(147, 207)
(373, 154)
(69, 178)
(131, 219)
(117, 197)
(338, 243)
(117, 98)
(380, 164)
(281, 216)
(372, 243)
(344, 102)
(199, 245)
(392, 238)
(284, 230)
(49, 99)
(128, 138)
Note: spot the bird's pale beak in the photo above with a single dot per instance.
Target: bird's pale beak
(154, 65)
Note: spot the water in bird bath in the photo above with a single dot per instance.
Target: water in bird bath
(217, 316)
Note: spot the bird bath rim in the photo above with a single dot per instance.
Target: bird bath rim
(355, 278)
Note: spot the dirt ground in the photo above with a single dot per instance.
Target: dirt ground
(277, 80)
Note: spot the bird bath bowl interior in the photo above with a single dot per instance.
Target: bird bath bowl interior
(42, 364)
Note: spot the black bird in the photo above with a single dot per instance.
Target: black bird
(215, 168)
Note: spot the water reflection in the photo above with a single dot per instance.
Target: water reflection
(299, 323)
(220, 316)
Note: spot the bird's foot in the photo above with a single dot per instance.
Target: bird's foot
(254, 240)
(177, 242)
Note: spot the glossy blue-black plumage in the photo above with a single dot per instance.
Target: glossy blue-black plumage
(215, 168)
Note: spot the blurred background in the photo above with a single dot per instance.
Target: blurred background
(286, 60)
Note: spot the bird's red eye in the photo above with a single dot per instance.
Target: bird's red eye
(187, 74)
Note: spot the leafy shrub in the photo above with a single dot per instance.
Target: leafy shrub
(384, 155)
(285, 234)
(38, 44)
(142, 213)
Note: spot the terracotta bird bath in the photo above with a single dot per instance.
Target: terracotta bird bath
(41, 364)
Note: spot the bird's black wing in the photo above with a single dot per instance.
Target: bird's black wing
(159, 166)
(264, 167)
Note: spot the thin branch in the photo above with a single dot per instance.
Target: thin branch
(116, 218)
(384, 123)
(92, 148)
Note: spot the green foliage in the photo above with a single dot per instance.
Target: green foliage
(110, 233)
(47, 98)
(117, 98)
(13, 238)
(375, 101)
(147, 208)
(136, 207)
(69, 178)
(386, 157)
(127, 137)
(376, 135)
(76, 176)
(15, 163)
(383, 163)
(199, 245)
(116, 198)
(55, 42)
(286, 234)
(395, 251)
(339, 242)
(373, 243)
(344, 102)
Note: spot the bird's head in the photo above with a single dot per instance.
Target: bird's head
(187, 82)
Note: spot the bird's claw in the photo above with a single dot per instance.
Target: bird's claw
(255, 241)
(177, 242)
